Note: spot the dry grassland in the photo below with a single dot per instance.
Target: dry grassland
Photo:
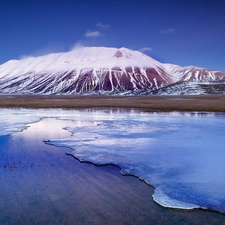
(202, 103)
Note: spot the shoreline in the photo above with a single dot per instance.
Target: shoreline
(185, 210)
(200, 103)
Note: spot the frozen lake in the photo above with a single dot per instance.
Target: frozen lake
(180, 154)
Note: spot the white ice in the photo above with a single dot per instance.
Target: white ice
(182, 155)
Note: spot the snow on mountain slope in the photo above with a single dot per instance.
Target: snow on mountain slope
(193, 73)
(84, 57)
(95, 70)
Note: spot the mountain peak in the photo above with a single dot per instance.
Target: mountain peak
(98, 70)
(103, 57)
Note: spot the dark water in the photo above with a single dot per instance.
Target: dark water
(40, 184)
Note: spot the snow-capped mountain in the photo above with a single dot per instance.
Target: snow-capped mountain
(101, 70)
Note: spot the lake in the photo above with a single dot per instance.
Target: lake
(180, 154)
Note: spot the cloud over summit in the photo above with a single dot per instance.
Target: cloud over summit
(145, 49)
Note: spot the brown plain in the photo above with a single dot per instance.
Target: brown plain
(201, 103)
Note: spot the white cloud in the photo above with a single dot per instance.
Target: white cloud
(48, 49)
(168, 31)
(145, 49)
(77, 45)
(91, 34)
(102, 26)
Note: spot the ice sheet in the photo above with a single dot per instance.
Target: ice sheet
(181, 155)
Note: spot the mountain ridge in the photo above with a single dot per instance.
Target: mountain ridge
(99, 70)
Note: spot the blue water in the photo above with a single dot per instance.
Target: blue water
(181, 154)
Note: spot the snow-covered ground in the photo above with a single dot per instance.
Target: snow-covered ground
(80, 58)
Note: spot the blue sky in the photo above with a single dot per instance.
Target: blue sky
(179, 32)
